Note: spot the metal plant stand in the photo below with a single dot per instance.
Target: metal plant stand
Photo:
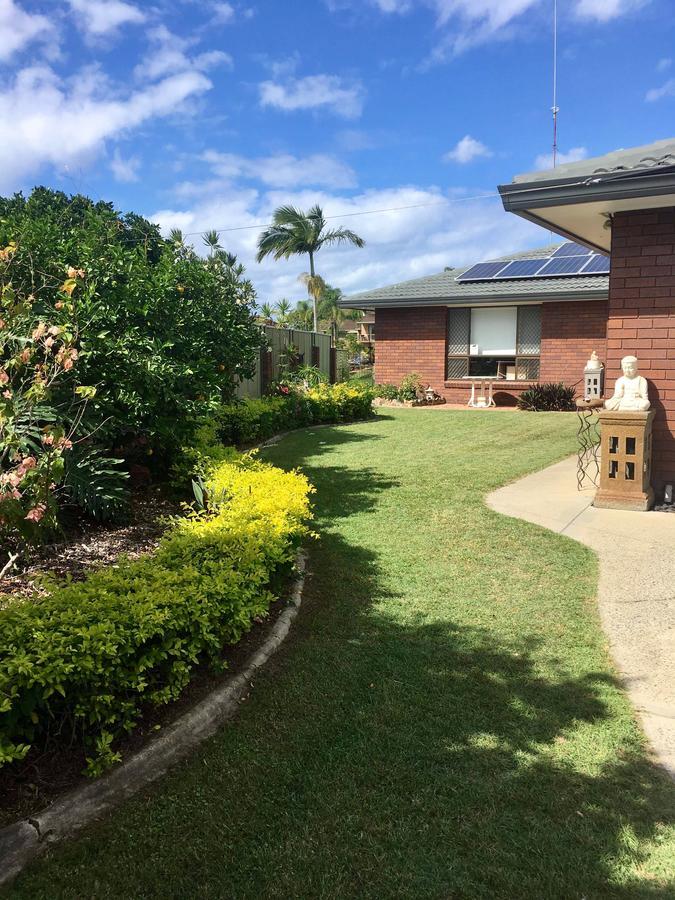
(588, 436)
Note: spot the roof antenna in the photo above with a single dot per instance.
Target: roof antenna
(555, 109)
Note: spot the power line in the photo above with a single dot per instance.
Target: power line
(365, 212)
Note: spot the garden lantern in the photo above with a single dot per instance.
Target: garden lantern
(594, 372)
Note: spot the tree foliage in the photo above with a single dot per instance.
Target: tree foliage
(162, 332)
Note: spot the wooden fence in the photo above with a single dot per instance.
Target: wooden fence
(314, 349)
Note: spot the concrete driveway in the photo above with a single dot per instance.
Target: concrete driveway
(637, 585)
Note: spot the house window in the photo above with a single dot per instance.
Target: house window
(502, 341)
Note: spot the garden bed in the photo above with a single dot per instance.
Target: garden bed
(36, 782)
(87, 545)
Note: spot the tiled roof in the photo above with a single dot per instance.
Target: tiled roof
(660, 154)
(442, 288)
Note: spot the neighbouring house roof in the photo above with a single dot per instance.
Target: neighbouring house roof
(577, 200)
(442, 289)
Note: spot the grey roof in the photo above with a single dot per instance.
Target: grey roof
(660, 154)
(442, 288)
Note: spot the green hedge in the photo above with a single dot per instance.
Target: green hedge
(256, 420)
(85, 658)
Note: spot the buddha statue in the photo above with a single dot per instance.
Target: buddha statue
(630, 391)
(593, 364)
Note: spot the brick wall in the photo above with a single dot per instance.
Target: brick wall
(569, 334)
(642, 318)
(410, 340)
(414, 340)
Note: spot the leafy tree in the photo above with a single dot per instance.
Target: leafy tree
(163, 334)
(294, 233)
(301, 317)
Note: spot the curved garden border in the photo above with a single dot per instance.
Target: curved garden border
(28, 838)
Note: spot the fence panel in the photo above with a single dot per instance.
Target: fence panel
(315, 349)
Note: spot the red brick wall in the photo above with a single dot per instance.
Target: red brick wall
(569, 334)
(413, 340)
(642, 318)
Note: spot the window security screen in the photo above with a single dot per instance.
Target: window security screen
(493, 331)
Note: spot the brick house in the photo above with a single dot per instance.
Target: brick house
(458, 323)
(623, 204)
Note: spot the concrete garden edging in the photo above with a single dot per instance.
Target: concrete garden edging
(28, 838)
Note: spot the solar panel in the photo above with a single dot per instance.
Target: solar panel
(597, 265)
(569, 259)
(572, 249)
(482, 271)
(566, 265)
(521, 268)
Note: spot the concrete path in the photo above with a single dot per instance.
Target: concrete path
(637, 585)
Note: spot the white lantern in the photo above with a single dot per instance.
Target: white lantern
(594, 377)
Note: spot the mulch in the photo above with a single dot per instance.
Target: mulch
(87, 545)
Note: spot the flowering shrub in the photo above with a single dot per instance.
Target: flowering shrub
(163, 332)
(85, 659)
(256, 420)
(37, 356)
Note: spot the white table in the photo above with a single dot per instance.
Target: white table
(483, 400)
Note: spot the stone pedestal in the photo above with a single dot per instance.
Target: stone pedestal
(625, 460)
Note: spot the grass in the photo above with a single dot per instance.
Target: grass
(444, 721)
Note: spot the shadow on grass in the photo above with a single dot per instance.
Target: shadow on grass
(445, 765)
(390, 751)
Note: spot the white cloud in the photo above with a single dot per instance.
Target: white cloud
(223, 14)
(467, 150)
(19, 29)
(63, 123)
(606, 10)
(545, 160)
(168, 55)
(464, 24)
(283, 170)
(328, 92)
(666, 90)
(664, 64)
(104, 17)
(400, 243)
(125, 170)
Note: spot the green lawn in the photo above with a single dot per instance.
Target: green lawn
(443, 721)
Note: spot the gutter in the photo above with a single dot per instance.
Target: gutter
(476, 299)
(521, 196)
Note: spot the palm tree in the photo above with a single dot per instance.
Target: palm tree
(212, 241)
(267, 312)
(294, 232)
(176, 237)
(302, 315)
(282, 308)
(330, 312)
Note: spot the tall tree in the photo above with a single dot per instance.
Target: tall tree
(294, 233)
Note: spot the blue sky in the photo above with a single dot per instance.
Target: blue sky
(207, 114)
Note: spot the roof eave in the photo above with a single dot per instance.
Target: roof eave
(390, 302)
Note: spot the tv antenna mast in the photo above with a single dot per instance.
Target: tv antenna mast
(555, 109)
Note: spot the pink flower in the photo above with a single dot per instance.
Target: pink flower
(7, 395)
(29, 463)
(39, 331)
(25, 356)
(48, 440)
(35, 514)
(4, 377)
(67, 364)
